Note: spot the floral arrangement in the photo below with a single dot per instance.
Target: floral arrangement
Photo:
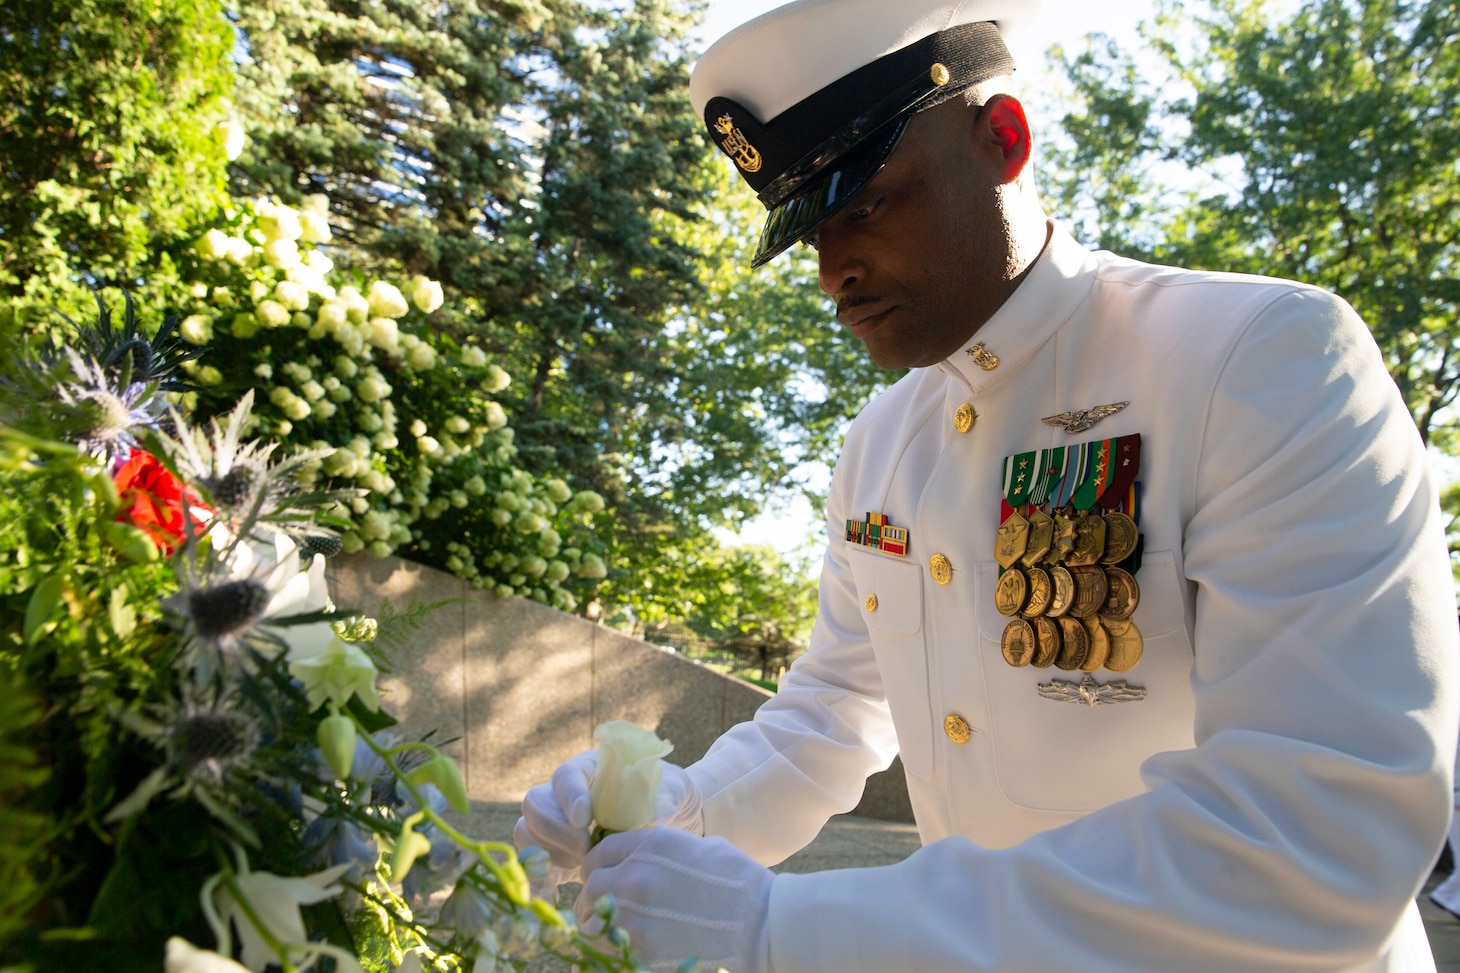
(195, 766)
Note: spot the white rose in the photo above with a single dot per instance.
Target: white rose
(627, 776)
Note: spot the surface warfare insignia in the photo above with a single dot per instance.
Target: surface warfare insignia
(736, 146)
(876, 532)
(1082, 419)
(1091, 692)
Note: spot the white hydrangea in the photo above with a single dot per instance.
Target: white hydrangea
(282, 254)
(422, 357)
(272, 314)
(496, 416)
(457, 425)
(213, 245)
(196, 329)
(292, 295)
(240, 251)
(426, 294)
(383, 333)
(496, 379)
(473, 357)
(428, 445)
(356, 306)
(244, 325)
(372, 388)
(317, 203)
(386, 300)
(316, 227)
(279, 222)
(231, 137)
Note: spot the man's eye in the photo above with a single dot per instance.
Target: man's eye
(861, 213)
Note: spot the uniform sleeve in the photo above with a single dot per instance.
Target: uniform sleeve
(1297, 831)
(770, 784)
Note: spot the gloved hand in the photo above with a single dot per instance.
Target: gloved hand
(680, 896)
(557, 815)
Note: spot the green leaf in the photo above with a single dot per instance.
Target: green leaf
(42, 605)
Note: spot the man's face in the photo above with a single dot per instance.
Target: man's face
(920, 259)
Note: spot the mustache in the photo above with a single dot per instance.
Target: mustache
(847, 303)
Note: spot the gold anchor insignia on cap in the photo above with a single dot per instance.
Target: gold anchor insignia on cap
(1082, 419)
(983, 358)
(1091, 692)
(736, 146)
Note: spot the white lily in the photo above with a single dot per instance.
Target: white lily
(275, 900)
(183, 957)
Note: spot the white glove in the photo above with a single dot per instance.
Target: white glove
(557, 815)
(680, 896)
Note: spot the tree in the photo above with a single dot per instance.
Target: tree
(1329, 143)
(112, 141)
(544, 164)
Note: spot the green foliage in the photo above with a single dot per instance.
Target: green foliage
(110, 140)
(585, 235)
(190, 732)
(1328, 141)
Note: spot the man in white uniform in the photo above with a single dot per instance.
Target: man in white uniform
(1139, 569)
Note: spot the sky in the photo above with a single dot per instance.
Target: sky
(797, 528)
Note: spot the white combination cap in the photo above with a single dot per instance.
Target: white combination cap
(810, 99)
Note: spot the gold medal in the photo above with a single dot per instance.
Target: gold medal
(1046, 642)
(1123, 595)
(1012, 592)
(1064, 591)
(1012, 540)
(1064, 537)
(1099, 644)
(1018, 643)
(1120, 537)
(1126, 646)
(1089, 540)
(1041, 537)
(1090, 590)
(1074, 644)
(1041, 589)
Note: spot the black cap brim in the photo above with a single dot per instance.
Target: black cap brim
(801, 215)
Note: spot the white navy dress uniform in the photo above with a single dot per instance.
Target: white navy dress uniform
(1266, 788)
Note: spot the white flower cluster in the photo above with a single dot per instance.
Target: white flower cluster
(340, 397)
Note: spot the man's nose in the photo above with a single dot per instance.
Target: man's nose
(839, 267)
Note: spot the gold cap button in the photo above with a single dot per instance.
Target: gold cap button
(941, 568)
(957, 729)
(871, 603)
(983, 358)
(939, 75)
(964, 418)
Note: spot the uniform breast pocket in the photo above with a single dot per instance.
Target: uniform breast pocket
(1078, 751)
(891, 593)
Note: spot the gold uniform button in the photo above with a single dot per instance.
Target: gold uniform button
(940, 74)
(941, 568)
(957, 729)
(871, 603)
(964, 418)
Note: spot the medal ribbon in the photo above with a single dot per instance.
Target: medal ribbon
(1096, 478)
(1125, 462)
(1050, 465)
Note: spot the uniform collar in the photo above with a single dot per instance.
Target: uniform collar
(1057, 283)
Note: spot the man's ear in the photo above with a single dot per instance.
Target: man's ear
(1004, 120)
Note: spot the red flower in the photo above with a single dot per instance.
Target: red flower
(156, 501)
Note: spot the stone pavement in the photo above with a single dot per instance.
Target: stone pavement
(854, 842)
